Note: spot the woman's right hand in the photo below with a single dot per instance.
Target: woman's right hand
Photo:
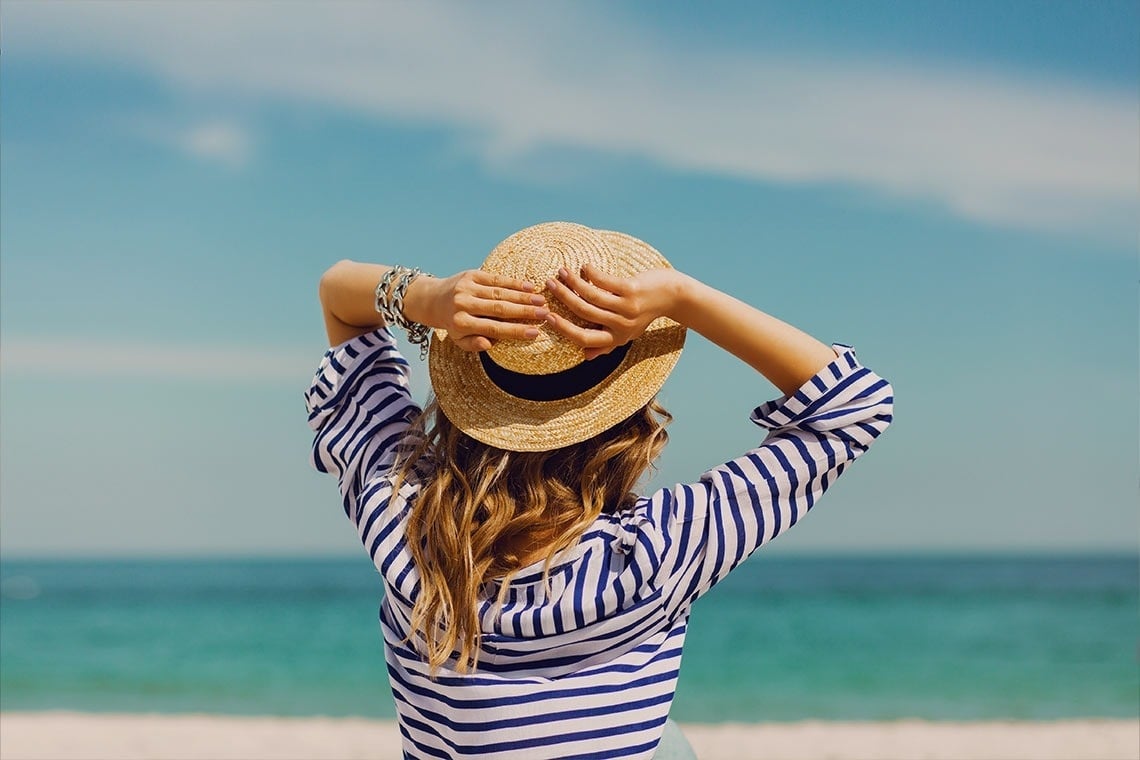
(476, 308)
(620, 308)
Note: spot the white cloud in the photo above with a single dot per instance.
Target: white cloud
(62, 356)
(65, 356)
(517, 79)
(216, 141)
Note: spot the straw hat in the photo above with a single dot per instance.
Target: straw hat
(542, 394)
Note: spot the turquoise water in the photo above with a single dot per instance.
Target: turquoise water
(780, 639)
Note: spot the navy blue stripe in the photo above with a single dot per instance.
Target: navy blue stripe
(640, 630)
(541, 741)
(426, 728)
(615, 646)
(793, 485)
(753, 503)
(623, 752)
(383, 358)
(357, 427)
(533, 718)
(716, 514)
(835, 390)
(535, 697)
(647, 604)
(579, 588)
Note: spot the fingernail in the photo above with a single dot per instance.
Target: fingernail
(540, 313)
(552, 284)
(531, 332)
(563, 272)
(550, 318)
(531, 286)
(538, 300)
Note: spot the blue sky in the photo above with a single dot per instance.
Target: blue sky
(951, 188)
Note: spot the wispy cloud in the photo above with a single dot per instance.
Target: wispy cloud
(518, 79)
(63, 356)
(70, 357)
(216, 141)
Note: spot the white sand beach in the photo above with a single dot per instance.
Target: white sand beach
(70, 736)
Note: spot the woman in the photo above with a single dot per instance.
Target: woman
(535, 606)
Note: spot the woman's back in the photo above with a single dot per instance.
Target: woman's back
(580, 658)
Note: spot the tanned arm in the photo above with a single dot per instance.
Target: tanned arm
(623, 308)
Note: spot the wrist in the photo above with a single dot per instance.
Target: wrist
(419, 298)
(681, 296)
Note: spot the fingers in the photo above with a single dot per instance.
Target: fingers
(485, 308)
(495, 330)
(589, 291)
(586, 337)
(616, 285)
(473, 343)
(489, 302)
(580, 306)
(501, 293)
(502, 309)
(505, 283)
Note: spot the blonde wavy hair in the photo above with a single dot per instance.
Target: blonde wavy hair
(483, 513)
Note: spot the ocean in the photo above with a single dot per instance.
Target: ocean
(783, 638)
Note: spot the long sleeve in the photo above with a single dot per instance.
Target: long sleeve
(709, 527)
(360, 408)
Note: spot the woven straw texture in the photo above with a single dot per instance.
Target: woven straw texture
(487, 413)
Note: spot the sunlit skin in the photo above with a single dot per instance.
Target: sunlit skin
(477, 308)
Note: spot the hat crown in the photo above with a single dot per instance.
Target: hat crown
(535, 254)
(488, 395)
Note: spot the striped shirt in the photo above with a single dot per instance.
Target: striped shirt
(585, 666)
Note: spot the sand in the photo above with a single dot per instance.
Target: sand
(64, 735)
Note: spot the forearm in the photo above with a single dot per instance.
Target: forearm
(348, 299)
(475, 307)
(784, 354)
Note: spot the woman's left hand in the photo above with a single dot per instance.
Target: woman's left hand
(620, 309)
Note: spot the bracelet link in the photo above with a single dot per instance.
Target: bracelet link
(390, 292)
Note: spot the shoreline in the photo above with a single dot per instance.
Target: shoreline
(62, 735)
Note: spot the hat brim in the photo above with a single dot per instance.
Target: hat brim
(483, 410)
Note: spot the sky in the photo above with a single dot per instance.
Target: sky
(951, 188)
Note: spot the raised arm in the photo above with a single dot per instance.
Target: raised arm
(359, 401)
(472, 306)
(623, 308)
(832, 409)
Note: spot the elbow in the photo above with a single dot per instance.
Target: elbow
(886, 411)
(328, 282)
(881, 413)
(878, 404)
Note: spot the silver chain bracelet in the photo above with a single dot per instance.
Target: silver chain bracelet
(390, 304)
